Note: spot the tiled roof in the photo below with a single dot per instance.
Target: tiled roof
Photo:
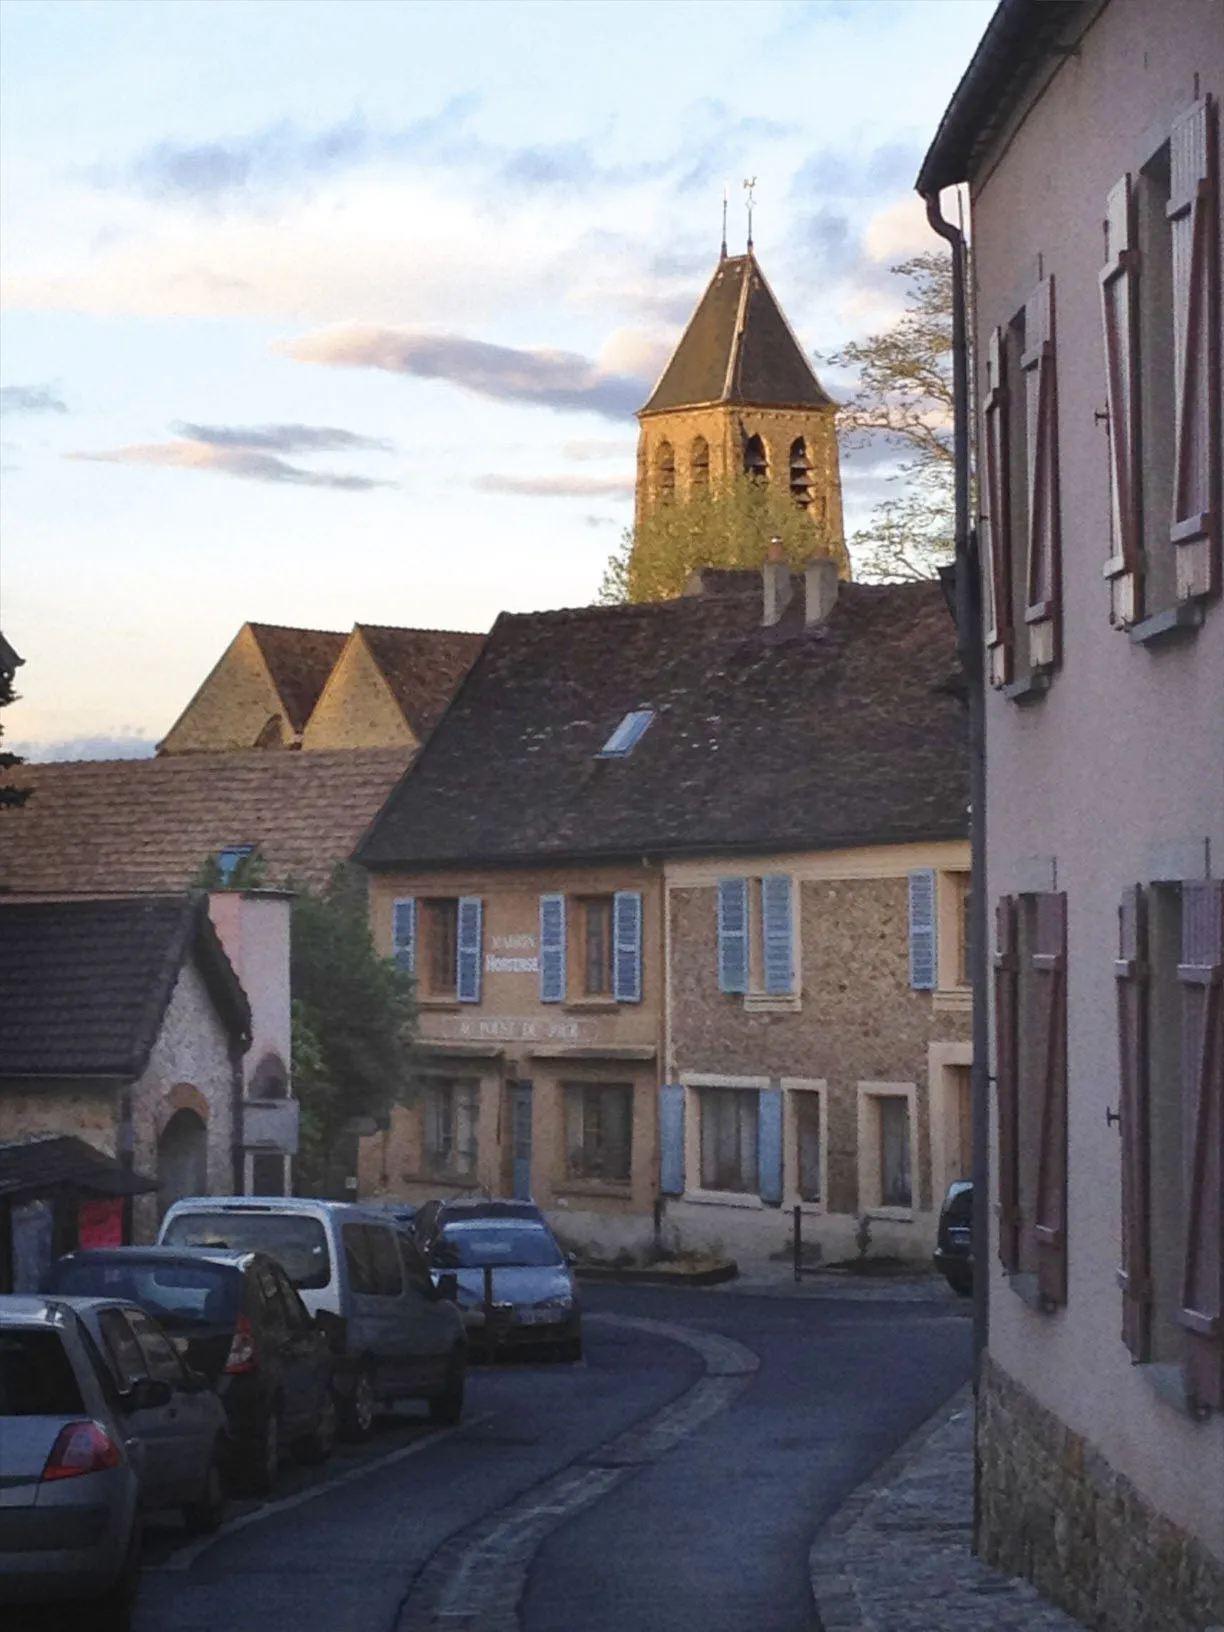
(764, 739)
(422, 667)
(42, 1161)
(738, 348)
(86, 983)
(299, 661)
(147, 824)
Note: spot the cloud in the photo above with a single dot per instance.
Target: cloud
(252, 454)
(283, 438)
(900, 230)
(854, 175)
(550, 379)
(31, 399)
(557, 487)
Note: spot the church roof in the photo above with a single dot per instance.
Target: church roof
(738, 348)
(299, 661)
(422, 667)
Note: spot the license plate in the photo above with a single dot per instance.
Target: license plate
(538, 1317)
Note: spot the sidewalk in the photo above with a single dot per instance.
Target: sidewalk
(896, 1558)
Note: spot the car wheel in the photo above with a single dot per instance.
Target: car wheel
(357, 1418)
(259, 1457)
(446, 1408)
(316, 1447)
(113, 1611)
(205, 1515)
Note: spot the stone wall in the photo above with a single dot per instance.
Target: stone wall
(232, 707)
(357, 708)
(1054, 1511)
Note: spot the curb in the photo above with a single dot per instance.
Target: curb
(713, 1276)
(837, 1603)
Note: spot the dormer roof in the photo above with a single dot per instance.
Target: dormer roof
(738, 348)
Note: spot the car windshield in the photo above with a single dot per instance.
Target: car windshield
(36, 1376)
(514, 1245)
(179, 1294)
(296, 1241)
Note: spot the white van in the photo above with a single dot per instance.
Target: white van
(394, 1334)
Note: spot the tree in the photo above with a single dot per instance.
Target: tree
(10, 795)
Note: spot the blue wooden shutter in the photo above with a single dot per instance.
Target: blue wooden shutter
(777, 922)
(769, 1146)
(671, 1140)
(923, 962)
(627, 946)
(403, 933)
(552, 949)
(467, 973)
(733, 934)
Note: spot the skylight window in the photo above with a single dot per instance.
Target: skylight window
(229, 859)
(627, 735)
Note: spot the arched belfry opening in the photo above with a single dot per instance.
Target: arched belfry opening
(800, 473)
(756, 460)
(699, 465)
(665, 472)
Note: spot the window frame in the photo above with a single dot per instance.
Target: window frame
(870, 1152)
(580, 1093)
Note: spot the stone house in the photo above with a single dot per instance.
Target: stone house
(125, 1025)
(1097, 299)
(560, 869)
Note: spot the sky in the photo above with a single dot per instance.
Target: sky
(324, 311)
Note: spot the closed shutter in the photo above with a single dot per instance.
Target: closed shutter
(1049, 964)
(1201, 973)
(1135, 1275)
(1042, 613)
(769, 1146)
(403, 933)
(1007, 1072)
(467, 972)
(627, 946)
(552, 949)
(671, 1140)
(778, 933)
(923, 947)
(1193, 217)
(1000, 633)
(1120, 320)
(733, 934)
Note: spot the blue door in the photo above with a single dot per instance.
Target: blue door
(520, 1124)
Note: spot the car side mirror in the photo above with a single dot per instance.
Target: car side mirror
(571, 1259)
(148, 1394)
(448, 1287)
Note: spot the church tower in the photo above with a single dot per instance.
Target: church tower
(740, 399)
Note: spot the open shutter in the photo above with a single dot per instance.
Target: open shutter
(1120, 320)
(1007, 1070)
(1201, 973)
(1042, 613)
(467, 972)
(1049, 963)
(778, 933)
(923, 949)
(1135, 1275)
(769, 1146)
(1000, 633)
(671, 1139)
(733, 934)
(1193, 216)
(627, 946)
(552, 949)
(403, 933)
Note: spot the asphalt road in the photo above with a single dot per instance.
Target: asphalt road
(673, 1481)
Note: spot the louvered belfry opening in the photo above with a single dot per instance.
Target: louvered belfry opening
(800, 473)
(699, 464)
(756, 463)
(665, 472)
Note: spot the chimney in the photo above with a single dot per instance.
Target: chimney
(777, 583)
(821, 587)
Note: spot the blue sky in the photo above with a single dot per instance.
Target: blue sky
(324, 312)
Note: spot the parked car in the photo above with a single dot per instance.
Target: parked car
(236, 1319)
(954, 1238)
(535, 1300)
(394, 1335)
(431, 1215)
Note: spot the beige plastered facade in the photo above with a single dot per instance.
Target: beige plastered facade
(238, 706)
(357, 708)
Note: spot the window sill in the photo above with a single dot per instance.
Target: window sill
(1174, 623)
(1167, 1381)
(614, 1189)
(1029, 690)
(440, 1003)
(584, 1005)
(955, 1000)
(892, 1215)
(772, 1003)
(725, 1198)
(457, 1181)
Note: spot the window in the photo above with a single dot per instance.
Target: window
(627, 735)
(452, 1114)
(122, 1349)
(756, 463)
(729, 1131)
(962, 886)
(440, 928)
(800, 473)
(607, 932)
(665, 473)
(439, 938)
(36, 1376)
(598, 1131)
(229, 860)
(163, 1363)
(699, 465)
(298, 1242)
(357, 1259)
(595, 916)
(756, 936)
(808, 1145)
(896, 1186)
(885, 1146)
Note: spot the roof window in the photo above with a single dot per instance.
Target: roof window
(229, 858)
(627, 735)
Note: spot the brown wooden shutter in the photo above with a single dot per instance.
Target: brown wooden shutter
(1049, 964)
(1135, 1275)
(1193, 218)
(1000, 632)
(1201, 972)
(1007, 1084)
(1120, 319)
(1042, 613)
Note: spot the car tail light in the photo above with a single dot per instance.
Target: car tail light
(81, 1447)
(241, 1356)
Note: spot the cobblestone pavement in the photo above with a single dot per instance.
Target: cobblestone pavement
(896, 1556)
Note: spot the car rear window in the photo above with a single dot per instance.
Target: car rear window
(518, 1245)
(36, 1376)
(297, 1241)
(179, 1294)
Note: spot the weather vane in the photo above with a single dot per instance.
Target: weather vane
(749, 187)
(723, 255)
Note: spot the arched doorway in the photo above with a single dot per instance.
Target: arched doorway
(182, 1158)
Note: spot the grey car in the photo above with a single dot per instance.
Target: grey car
(534, 1300)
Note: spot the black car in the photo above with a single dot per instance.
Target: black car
(954, 1238)
(237, 1318)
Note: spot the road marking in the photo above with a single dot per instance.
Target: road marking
(186, 1556)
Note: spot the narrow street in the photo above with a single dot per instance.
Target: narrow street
(674, 1480)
